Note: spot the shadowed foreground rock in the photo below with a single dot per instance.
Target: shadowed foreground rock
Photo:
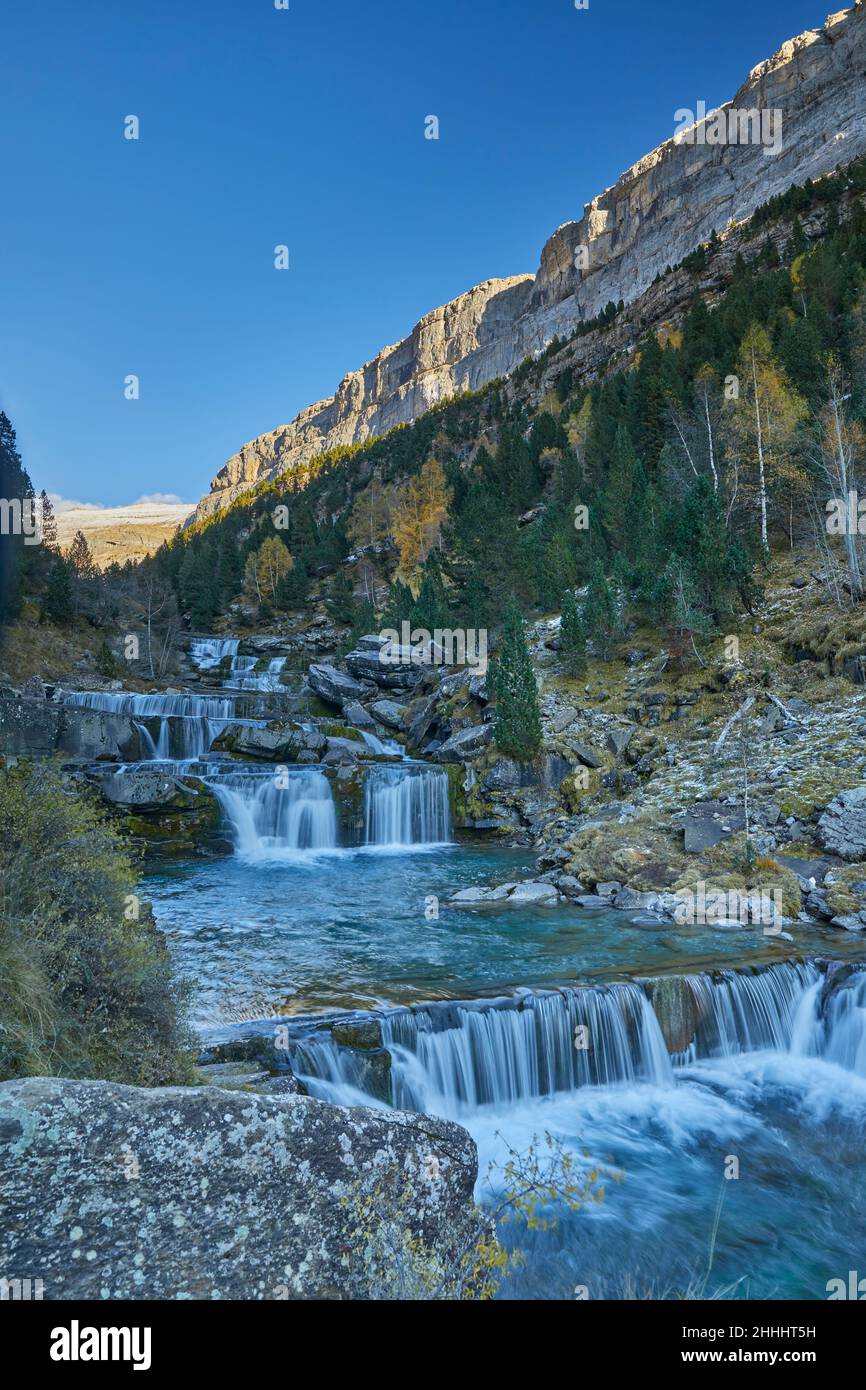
(114, 1192)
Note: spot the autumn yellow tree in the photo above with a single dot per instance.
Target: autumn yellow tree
(265, 568)
(419, 510)
(766, 415)
(578, 429)
(370, 518)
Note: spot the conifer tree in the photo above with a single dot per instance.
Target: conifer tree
(57, 606)
(517, 730)
(430, 609)
(398, 606)
(600, 617)
(572, 637)
(340, 599)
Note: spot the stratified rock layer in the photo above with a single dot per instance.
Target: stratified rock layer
(662, 208)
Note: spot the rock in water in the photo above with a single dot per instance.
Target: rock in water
(118, 1192)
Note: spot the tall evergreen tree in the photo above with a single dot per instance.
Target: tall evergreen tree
(15, 488)
(572, 637)
(517, 729)
(430, 609)
(600, 617)
(57, 606)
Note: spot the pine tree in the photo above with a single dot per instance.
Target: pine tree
(572, 638)
(14, 486)
(681, 607)
(600, 617)
(398, 606)
(622, 493)
(517, 730)
(80, 557)
(340, 599)
(49, 524)
(57, 607)
(430, 609)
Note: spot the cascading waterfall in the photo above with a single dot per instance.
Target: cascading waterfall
(277, 813)
(451, 1058)
(207, 652)
(454, 1057)
(743, 1013)
(406, 805)
(836, 1032)
(188, 723)
(381, 747)
(243, 676)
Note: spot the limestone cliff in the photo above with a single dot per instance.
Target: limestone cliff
(653, 216)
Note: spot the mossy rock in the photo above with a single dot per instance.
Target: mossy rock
(640, 854)
(840, 897)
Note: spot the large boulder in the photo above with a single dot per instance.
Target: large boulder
(113, 1192)
(400, 671)
(677, 1009)
(710, 822)
(150, 788)
(29, 727)
(279, 741)
(333, 686)
(466, 743)
(94, 733)
(389, 713)
(842, 827)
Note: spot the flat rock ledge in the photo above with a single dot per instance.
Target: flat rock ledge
(112, 1191)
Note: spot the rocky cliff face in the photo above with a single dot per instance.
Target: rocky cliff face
(653, 216)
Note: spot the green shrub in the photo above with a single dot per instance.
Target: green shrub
(86, 982)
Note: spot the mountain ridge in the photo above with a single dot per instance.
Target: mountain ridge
(660, 209)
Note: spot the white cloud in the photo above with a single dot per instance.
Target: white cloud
(152, 499)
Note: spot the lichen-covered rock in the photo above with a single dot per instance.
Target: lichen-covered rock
(466, 743)
(388, 712)
(842, 827)
(152, 788)
(115, 1192)
(375, 659)
(333, 686)
(280, 741)
(29, 726)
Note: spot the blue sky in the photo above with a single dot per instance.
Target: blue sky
(303, 127)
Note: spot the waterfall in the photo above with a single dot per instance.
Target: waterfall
(208, 652)
(188, 723)
(243, 676)
(837, 1031)
(451, 1057)
(743, 1013)
(277, 813)
(381, 746)
(448, 1058)
(406, 805)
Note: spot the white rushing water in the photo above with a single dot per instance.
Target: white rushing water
(453, 1059)
(283, 811)
(277, 814)
(406, 806)
(187, 724)
(243, 676)
(207, 652)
